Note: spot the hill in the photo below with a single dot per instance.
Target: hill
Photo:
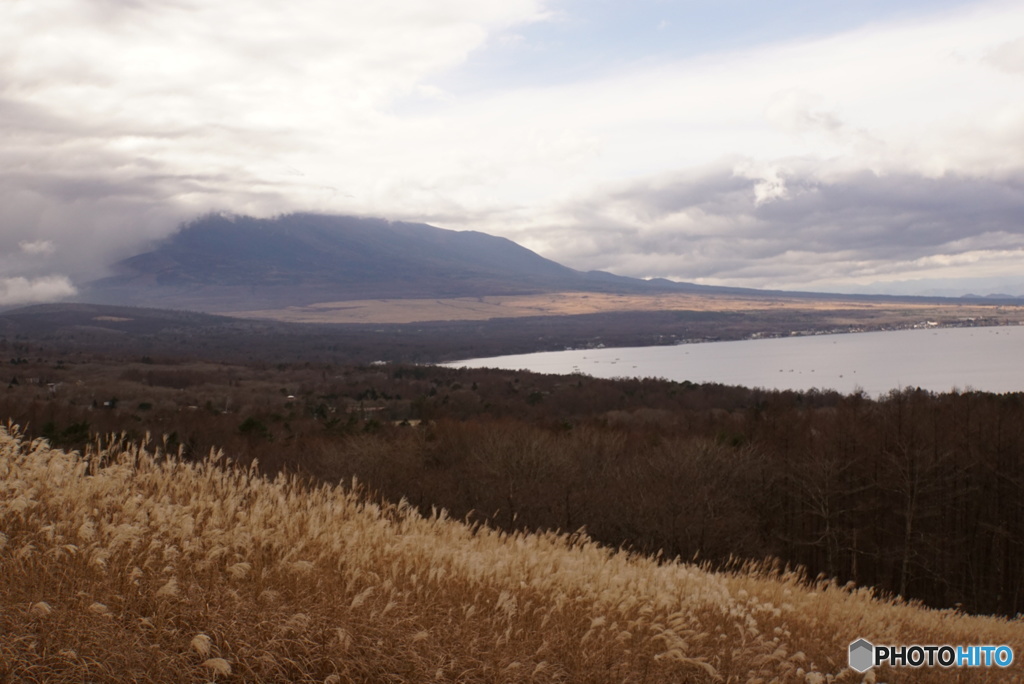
(222, 263)
(123, 564)
(342, 269)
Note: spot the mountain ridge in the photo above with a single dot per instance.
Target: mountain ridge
(235, 262)
(222, 263)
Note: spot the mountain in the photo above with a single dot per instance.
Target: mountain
(226, 263)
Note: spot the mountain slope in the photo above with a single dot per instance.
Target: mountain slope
(227, 263)
(208, 569)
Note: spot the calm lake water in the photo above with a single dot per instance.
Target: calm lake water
(988, 359)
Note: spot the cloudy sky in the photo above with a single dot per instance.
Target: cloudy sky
(828, 145)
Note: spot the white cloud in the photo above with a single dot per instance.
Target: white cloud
(770, 180)
(1008, 56)
(37, 247)
(800, 111)
(34, 290)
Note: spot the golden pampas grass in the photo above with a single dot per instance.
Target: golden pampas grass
(271, 580)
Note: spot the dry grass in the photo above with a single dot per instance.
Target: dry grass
(576, 303)
(124, 565)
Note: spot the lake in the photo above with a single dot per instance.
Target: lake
(937, 359)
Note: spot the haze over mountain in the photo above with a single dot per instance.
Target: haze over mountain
(229, 263)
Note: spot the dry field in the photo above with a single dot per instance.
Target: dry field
(576, 303)
(122, 565)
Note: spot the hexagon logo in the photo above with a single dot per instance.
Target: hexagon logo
(862, 655)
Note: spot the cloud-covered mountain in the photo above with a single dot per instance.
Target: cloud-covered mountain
(825, 148)
(225, 263)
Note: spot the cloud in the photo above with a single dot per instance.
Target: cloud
(34, 290)
(874, 152)
(37, 248)
(820, 225)
(800, 111)
(770, 181)
(119, 120)
(1008, 56)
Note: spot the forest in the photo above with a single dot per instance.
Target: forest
(915, 494)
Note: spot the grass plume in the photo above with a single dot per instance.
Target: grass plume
(123, 563)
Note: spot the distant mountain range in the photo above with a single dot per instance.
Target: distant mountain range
(221, 263)
(258, 268)
(232, 263)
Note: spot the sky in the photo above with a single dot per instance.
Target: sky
(828, 145)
